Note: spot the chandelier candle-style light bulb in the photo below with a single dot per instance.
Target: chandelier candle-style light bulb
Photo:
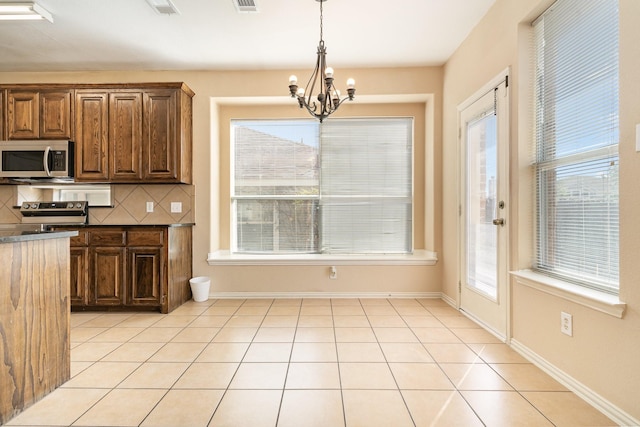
(327, 100)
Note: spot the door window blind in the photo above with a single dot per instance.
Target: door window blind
(576, 142)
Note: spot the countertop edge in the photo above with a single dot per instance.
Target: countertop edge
(26, 236)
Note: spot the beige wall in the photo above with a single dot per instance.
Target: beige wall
(380, 91)
(603, 353)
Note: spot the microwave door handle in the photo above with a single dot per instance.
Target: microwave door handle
(46, 160)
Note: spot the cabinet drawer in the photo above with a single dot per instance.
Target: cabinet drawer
(107, 238)
(82, 239)
(145, 238)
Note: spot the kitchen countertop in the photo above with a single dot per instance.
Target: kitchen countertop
(9, 234)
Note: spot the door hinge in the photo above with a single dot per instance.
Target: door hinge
(459, 286)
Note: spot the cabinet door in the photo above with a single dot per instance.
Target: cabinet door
(107, 275)
(125, 136)
(160, 136)
(145, 276)
(22, 117)
(91, 131)
(2, 118)
(55, 115)
(79, 276)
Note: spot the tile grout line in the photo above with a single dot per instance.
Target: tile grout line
(286, 374)
(335, 340)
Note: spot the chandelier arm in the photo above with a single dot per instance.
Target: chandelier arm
(311, 84)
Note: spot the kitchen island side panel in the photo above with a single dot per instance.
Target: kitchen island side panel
(34, 322)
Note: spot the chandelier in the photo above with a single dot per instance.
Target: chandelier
(327, 100)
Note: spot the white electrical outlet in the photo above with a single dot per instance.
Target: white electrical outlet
(566, 323)
(176, 207)
(333, 272)
(149, 207)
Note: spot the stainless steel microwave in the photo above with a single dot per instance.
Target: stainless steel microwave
(36, 159)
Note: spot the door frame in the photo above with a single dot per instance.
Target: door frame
(504, 170)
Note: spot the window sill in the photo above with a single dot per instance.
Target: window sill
(419, 257)
(600, 301)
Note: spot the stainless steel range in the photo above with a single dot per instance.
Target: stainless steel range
(55, 213)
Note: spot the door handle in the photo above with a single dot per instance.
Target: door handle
(498, 221)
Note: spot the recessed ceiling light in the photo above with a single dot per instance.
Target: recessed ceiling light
(164, 7)
(20, 11)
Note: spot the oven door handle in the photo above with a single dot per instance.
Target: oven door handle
(46, 160)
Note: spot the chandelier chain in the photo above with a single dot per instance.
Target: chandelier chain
(321, 1)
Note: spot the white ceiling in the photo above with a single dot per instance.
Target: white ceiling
(211, 34)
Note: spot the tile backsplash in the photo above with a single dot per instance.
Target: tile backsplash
(129, 204)
(8, 200)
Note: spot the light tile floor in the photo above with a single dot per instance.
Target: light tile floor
(299, 363)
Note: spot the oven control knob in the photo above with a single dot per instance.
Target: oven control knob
(78, 205)
(25, 205)
(34, 205)
(69, 205)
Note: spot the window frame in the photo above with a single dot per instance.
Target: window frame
(543, 165)
(423, 256)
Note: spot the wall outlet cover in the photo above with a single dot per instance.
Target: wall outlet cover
(176, 207)
(566, 323)
(149, 207)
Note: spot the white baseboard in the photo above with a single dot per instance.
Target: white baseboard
(594, 399)
(452, 302)
(235, 295)
(484, 326)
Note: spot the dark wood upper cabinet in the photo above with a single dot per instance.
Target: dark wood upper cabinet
(56, 112)
(125, 136)
(130, 132)
(23, 115)
(160, 139)
(2, 118)
(148, 134)
(167, 136)
(92, 130)
(39, 114)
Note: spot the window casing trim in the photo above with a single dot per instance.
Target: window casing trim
(587, 297)
(418, 257)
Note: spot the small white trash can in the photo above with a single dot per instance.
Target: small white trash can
(200, 288)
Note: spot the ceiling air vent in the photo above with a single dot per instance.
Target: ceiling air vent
(164, 7)
(245, 6)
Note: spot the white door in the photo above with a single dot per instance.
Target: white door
(484, 132)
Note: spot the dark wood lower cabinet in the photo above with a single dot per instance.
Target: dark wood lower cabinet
(145, 275)
(79, 275)
(130, 268)
(106, 275)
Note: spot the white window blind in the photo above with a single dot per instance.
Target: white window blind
(275, 186)
(365, 186)
(576, 142)
(341, 187)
